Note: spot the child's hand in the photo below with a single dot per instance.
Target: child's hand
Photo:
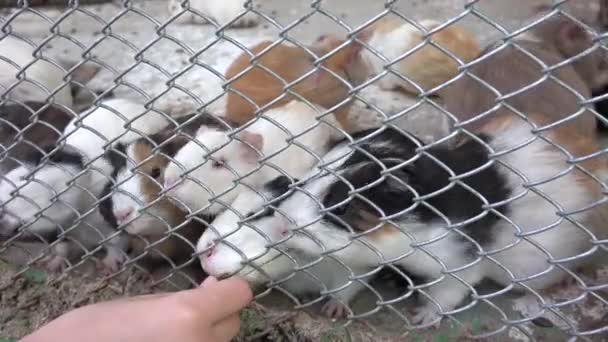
(208, 313)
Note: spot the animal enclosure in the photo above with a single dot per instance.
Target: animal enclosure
(378, 170)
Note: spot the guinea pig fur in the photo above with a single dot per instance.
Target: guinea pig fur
(427, 66)
(86, 136)
(411, 216)
(509, 70)
(205, 175)
(42, 77)
(26, 127)
(137, 202)
(222, 12)
(239, 240)
(258, 87)
(36, 201)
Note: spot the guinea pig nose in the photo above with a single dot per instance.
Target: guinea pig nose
(123, 214)
(208, 250)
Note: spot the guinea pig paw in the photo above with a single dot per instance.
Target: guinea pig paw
(426, 316)
(55, 263)
(335, 309)
(112, 262)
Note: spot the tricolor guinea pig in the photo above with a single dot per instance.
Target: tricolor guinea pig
(240, 241)
(135, 201)
(439, 212)
(207, 173)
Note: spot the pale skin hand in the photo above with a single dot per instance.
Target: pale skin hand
(208, 313)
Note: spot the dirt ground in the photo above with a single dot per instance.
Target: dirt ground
(29, 297)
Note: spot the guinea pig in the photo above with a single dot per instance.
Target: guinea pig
(419, 61)
(41, 78)
(253, 86)
(441, 212)
(239, 241)
(37, 201)
(523, 83)
(208, 173)
(25, 127)
(137, 203)
(222, 12)
(85, 137)
(112, 121)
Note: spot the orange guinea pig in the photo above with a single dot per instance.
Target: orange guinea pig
(327, 86)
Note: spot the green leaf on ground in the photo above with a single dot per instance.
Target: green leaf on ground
(35, 276)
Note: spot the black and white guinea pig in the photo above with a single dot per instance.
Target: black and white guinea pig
(441, 212)
(36, 203)
(26, 127)
(135, 202)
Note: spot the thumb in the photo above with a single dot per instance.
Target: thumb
(224, 298)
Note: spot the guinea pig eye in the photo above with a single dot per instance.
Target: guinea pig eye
(218, 163)
(155, 173)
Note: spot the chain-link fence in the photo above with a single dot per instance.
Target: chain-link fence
(394, 166)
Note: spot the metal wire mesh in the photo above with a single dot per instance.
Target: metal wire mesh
(404, 160)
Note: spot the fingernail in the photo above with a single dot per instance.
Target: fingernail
(208, 281)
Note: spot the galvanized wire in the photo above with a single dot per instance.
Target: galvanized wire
(162, 31)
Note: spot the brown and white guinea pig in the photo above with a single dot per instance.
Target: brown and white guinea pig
(404, 207)
(208, 173)
(26, 127)
(137, 204)
(521, 78)
(290, 63)
(416, 59)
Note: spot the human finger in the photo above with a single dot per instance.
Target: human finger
(222, 298)
(227, 328)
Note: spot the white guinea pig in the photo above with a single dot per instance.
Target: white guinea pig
(206, 174)
(221, 11)
(412, 216)
(240, 240)
(38, 76)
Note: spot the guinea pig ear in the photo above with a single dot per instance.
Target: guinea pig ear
(572, 39)
(252, 145)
